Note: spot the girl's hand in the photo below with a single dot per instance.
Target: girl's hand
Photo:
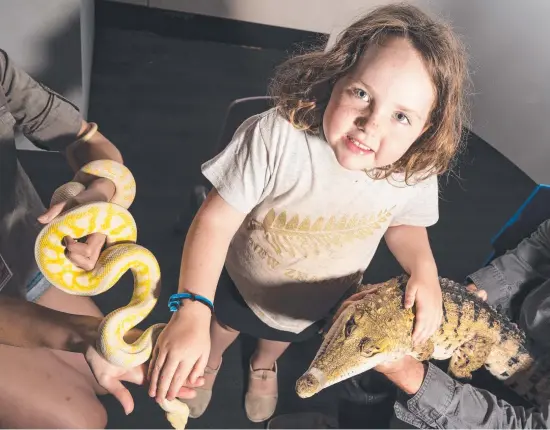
(425, 293)
(181, 351)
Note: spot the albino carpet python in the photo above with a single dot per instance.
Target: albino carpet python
(122, 253)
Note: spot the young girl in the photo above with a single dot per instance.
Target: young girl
(304, 193)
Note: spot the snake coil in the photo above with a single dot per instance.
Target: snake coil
(120, 255)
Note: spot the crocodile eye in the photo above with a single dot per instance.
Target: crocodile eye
(350, 326)
(367, 348)
(364, 344)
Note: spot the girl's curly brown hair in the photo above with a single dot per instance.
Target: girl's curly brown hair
(302, 85)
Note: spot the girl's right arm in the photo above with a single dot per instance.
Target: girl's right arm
(183, 347)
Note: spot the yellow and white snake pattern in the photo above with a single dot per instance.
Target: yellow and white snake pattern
(121, 254)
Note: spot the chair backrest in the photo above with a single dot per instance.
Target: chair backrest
(524, 222)
(237, 112)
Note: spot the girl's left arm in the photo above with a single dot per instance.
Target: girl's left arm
(411, 248)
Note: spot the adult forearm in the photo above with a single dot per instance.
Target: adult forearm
(409, 378)
(441, 402)
(28, 325)
(528, 265)
(411, 247)
(92, 146)
(96, 147)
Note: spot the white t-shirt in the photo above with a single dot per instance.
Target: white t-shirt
(312, 226)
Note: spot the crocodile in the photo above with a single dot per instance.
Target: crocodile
(378, 329)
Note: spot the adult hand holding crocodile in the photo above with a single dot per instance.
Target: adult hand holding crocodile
(430, 396)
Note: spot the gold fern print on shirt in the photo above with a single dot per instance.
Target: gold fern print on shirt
(305, 237)
(264, 255)
(302, 276)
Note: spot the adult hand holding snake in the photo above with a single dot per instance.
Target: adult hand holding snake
(110, 377)
(83, 254)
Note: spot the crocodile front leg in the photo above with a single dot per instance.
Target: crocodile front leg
(470, 357)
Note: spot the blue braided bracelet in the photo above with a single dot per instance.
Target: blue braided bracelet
(174, 302)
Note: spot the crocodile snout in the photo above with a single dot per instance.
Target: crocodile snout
(308, 385)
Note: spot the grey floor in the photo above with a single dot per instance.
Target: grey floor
(162, 101)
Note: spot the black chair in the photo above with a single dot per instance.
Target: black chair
(237, 112)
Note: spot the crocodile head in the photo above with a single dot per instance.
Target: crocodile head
(374, 330)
